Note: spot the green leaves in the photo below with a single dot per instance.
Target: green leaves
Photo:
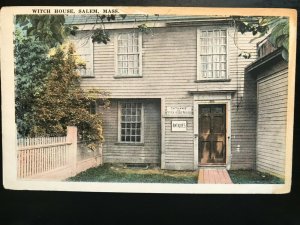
(72, 30)
(144, 29)
(49, 29)
(48, 93)
(52, 30)
(246, 55)
(100, 36)
(280, 33)
(63, 102)
(252, 24)
(31, 66)
(276, 28)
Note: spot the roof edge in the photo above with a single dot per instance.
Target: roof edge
(267, 58)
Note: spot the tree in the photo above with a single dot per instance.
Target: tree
(31, 66)
(64, 103)
(48, 93)
(48, 29)
(276, 28)
(52, 30)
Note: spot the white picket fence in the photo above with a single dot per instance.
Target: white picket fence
(52, 157)
(42, 154)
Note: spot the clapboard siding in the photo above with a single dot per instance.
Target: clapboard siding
(243, 126)
(179, 146)
(272, 90)
(150, 152)
(169, 65)
(169, 71)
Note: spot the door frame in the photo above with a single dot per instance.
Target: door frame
(210, 114)
(226, 100)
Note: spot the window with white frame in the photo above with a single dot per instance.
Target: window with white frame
(131, 117)
(84, 50)
(128, 60)
(212, 54)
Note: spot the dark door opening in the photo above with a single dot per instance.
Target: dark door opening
(212, 132)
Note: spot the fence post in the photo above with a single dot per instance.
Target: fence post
(101, 155)
(72, 137)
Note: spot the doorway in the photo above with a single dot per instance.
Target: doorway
(212, 134)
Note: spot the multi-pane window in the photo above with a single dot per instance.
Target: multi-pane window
(212, 54)
(128, 54)
(84, 50)
(131, 122)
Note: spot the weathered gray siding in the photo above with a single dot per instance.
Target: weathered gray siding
(148, 152)
(272, 88)
(179, 150)
(243, 122)
(243, 108)
(169, 65)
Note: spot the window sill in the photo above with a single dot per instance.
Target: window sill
(129, 76)
(130, 144)
(87, 76)
(212, 80)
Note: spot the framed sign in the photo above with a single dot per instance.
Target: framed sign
(178, 125)
(179, 111)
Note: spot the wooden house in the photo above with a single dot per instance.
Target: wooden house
(270, 72)
(179, 94)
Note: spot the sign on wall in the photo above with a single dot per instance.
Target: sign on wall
(178, 125)
(179, 111)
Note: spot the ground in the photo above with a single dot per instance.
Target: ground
(253, 177)
(120, 173)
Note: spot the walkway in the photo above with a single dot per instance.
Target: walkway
(213, 176)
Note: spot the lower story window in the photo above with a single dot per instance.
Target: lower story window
(131, 122)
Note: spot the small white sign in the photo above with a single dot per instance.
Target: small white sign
(179, 111)
(178, 125)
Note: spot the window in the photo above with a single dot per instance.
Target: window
(130, 114)
(93, 107)
(128, 60)
(84, 49)
(212, 54)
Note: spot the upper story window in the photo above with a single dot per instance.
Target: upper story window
(129, 59)
(84, 49)
(212, 54)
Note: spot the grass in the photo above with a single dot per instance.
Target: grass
(113, 173)
(121, 174)
(253, 177)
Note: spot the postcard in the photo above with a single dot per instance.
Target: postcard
(148, 99)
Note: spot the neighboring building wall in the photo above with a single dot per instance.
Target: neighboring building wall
(272, 88)
(169, 65)
(147, 152)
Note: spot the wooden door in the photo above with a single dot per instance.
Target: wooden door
(212, 132)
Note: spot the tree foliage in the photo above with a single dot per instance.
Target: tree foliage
(64, 103)
(49, 29)
(276, 28)
(52, 30)
(48, 93)
(31, 66)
